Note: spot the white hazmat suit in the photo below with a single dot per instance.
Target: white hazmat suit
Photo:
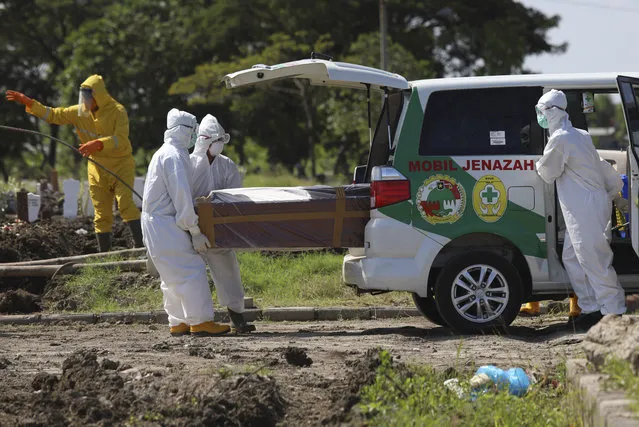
(168, 217)
(586, 186)
(218, 174)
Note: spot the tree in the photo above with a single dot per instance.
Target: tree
(31, 37)
(428, 39)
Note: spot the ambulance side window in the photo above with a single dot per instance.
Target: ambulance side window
(476, 122)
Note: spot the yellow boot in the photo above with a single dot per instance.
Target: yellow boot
(530, 309)
(209, 329)
(574, 307)
(179, 330)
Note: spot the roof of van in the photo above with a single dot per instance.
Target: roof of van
(560, 81)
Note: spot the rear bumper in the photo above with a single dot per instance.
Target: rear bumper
(352, 271)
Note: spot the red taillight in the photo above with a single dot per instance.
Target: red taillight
(384, 193)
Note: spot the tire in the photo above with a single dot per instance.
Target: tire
(501, 292)
(427, 307)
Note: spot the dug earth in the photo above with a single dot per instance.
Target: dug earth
(286, 373)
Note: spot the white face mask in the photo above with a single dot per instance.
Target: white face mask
(216, 148)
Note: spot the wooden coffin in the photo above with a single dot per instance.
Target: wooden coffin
(286, 217)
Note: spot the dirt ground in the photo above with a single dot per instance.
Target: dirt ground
(306, 373)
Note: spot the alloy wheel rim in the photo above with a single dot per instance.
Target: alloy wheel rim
(480, 293)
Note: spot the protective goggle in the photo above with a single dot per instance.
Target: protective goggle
(224, 139)
(539, 109)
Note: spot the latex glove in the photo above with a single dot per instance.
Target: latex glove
(91, 147)
(622, 204)
(200, 242)
(18, 97)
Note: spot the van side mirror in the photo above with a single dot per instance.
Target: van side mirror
(359, 175)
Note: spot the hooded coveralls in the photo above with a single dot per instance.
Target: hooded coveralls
(586, 186)
(168, 217)
(222, 173)
(109, 124)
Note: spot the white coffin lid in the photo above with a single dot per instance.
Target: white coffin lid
(321, 73)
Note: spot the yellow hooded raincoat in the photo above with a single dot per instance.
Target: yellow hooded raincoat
(109, 124)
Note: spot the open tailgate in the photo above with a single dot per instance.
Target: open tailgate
(320, 72)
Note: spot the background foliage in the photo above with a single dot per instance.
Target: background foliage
(155, 55)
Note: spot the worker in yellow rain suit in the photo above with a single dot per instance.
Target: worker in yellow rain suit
(102, 124)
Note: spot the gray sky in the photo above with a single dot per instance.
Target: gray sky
(601, 35)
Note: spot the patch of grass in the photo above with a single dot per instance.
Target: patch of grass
(99, 290)
(622, 376)
(417, 396)
(274, 280)
(304, 279)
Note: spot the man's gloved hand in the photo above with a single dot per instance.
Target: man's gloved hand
(622, 204)
(200, 242)
(91, 147)
(18, 97)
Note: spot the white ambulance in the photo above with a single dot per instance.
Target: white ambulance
(459, 216)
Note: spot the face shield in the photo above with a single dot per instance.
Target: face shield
(85, 101)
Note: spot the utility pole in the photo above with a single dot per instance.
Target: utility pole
(383, 30)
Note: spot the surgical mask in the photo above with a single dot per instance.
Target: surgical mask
(541, 118)
(193, 137)
(85, 101)
(216, 148)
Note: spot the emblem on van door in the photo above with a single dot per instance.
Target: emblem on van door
(441, 200)
(489, 198)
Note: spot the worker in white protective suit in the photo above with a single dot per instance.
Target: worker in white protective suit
(214, 171)
(172, 235)
(586, 187)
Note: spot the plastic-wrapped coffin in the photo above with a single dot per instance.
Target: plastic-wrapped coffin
(286, 217)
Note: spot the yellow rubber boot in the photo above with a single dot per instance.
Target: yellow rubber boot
(530, 309)
(179, 330)
(209, 329)
(574, 307)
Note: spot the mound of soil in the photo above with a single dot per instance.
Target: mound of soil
(19, 302)
(89, 392)
(56, 237)
(52, 238)
(346, 394)
(84, 394)
(244, 400)
(297, 357)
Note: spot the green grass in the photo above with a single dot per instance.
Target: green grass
(418, 397)
(273, 280)
(304, 279)
(97, 290)
(622, 376)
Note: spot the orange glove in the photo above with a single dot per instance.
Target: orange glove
(91, 147)
(20, 98)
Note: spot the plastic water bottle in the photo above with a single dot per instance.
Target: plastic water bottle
(514, 379)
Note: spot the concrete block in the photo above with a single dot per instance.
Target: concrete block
(248, 302)
(293, 314)
(76, 318)
(393, 312)
(342, 313)
(159, 316)
(576, 367)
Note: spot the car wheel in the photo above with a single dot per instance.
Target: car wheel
(478, 291)
(427, 307)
